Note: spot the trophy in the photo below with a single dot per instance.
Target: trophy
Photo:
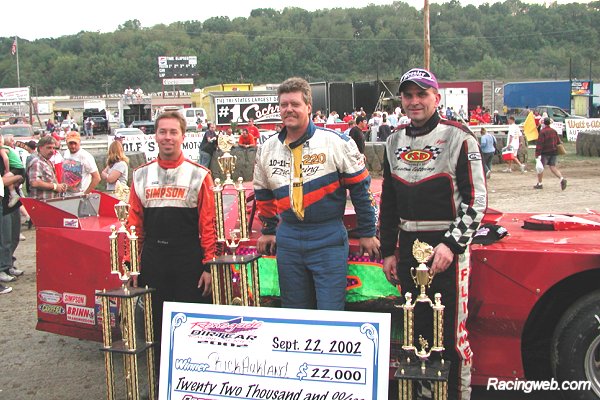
(225, 269)
(226, 161)
(128, 297)
(421, 367)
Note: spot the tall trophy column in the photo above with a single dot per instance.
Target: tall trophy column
(235, 279)
(128, 298)
(416, 363)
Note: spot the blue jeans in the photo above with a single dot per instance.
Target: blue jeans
(312, 261)
(205, 159)
(10, 230)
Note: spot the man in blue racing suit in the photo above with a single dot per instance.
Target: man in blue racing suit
(301, 178)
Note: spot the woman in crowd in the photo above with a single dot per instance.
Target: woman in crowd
(117, 166)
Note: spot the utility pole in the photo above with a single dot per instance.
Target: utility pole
(426, 38)
(106, 85)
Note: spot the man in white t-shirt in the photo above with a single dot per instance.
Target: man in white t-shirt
(514, 141)
(80, 171)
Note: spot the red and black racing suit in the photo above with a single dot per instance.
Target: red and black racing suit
(434, 190)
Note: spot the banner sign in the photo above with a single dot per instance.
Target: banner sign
(147, 144)
(14, 95)
(263, 109)
(574, 126)
(177, 67)
(178, 81)
(216, 352)
(579, 88)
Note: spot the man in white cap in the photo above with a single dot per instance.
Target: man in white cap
(434, 191)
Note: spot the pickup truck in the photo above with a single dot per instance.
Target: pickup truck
(557, 114)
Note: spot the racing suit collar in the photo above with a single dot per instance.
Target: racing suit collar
(167, 164)
(425, 129)
(310, 131)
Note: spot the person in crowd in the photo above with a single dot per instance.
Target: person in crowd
(117, 166)
(253, 130)
(50, 126)
(14, 164)
(488, 149)
(57, 160)
(4, 275)
(513, 143)
(384, 129)
(246, 140)
(392, 120)
(441, 201)
(208, 145)
(347, 117)
(41, 174)
(301, 214)
(374, 123)
(173, 210)
(10, 230)
(88, 128)
(546, 153)
(351, 124)
(496, 119)
(80, 171)
(357, 133)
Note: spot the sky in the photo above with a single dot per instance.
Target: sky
(51, 19)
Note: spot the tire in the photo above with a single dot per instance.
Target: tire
(575, 354)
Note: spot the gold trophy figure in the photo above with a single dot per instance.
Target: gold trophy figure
(226, 161)
(423, 368)
(128, 297)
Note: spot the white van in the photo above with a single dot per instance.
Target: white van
(192, 115)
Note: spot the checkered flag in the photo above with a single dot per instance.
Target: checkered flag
(435, 151)
(399, 151)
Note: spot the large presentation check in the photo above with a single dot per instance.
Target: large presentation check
(224, 352)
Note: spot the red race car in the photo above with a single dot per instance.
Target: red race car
(534, 307)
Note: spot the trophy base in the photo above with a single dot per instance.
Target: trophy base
(229, 259)
(434, 370)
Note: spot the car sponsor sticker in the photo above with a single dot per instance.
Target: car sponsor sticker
(83, 315)
(49, 296)
(73, 298)
(70, 223)
(51, 309)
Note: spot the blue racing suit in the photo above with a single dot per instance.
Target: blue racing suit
(312, 249)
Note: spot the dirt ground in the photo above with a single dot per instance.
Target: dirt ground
(39, 365)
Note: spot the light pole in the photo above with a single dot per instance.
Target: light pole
(106, 85)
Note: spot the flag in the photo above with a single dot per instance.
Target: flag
(13, 49)
(529, 127)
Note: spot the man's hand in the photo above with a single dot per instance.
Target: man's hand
(389, 269)
(266, 244)
(205, 283)
(442, 257)
(370, 245)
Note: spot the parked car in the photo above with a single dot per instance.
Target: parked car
(18, 130)
(100, 124)
(128, 131)
(146, 126)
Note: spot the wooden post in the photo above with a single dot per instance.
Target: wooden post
(426, 39)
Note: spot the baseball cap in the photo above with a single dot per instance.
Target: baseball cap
(73, 136)
(31, 144)
(421, 77)
(489, 233)
(119, 136)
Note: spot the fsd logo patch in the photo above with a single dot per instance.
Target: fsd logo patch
(416, 156)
